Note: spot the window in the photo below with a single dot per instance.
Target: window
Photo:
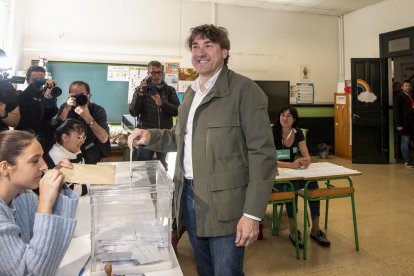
(3, 24)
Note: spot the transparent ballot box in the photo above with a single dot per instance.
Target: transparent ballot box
(131, 220)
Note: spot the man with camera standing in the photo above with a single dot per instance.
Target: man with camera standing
(9, 108)
(38, 105)
(79, 106)
(154, 103)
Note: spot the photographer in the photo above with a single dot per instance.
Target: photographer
(38, 105)
(78, 106)
(154, 103)
(9, 109)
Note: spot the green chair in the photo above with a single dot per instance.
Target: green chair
(279, 198)
(328, 193)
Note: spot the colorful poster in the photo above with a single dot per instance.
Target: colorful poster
(171, 74)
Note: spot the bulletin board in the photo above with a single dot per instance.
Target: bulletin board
(112, 95)
(304, 93)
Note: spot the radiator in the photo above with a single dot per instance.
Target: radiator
(320, 130)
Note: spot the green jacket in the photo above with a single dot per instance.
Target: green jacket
(234, 164)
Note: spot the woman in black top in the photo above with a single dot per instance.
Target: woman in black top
(289, 141)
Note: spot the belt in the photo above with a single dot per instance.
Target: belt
(189, 182)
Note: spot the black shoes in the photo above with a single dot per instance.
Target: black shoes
(300, 240)
(320, 237)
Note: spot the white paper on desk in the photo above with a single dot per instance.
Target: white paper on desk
(79, 248)
(321, 169)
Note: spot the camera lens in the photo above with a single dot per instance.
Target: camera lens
(81, 99)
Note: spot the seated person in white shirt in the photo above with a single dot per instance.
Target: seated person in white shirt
(69, 137)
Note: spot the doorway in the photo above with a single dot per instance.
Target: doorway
(398, 48)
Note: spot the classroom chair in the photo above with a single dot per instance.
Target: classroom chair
(328, 193)
(281, 197)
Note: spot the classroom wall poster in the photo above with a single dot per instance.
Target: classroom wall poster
(118, 73)
(304, 93)
(171, 74)
(187, 77)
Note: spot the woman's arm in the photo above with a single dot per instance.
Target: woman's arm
(34, 249)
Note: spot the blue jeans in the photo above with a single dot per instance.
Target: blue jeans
(215, 256)
(405, 147)
(144, 154)
(314, 206)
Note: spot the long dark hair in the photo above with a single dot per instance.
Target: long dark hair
(277, 128)
(13, 143)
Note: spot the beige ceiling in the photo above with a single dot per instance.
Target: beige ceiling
(326, 7)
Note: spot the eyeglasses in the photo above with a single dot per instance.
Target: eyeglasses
(153, 73)
(82, 137)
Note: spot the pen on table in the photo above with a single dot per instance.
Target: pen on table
(84, 266)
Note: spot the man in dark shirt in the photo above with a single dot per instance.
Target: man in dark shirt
(38, 106)
(79, 106)
(154, 103)
(9, 109)
(404, 104)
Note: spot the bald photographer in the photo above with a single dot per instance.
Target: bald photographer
(154, 104)
(79, 106)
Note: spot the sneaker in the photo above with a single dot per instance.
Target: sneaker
(300, 240)
(409, 165)
(320, 237)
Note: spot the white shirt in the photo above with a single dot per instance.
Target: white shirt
(58, 153)
(188, 132)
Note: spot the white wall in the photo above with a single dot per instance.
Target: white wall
(16, 13)
(362, 28)
(265, 44)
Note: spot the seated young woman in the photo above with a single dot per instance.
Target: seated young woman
(69, 136)
(35, 231)
(289, 141)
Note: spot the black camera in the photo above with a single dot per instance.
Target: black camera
(7, 92)
(151, 89)
(81, 99)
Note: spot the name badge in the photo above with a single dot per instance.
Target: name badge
(283, 154)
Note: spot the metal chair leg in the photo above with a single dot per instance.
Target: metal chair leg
(295, 227)
(355, 223)
(305, 221)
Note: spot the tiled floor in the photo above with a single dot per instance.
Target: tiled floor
(385, 217)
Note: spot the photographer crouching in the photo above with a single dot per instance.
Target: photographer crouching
(79, 106)
(37, 105)
(154, 103)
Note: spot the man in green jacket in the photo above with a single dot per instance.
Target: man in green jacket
(225, 163)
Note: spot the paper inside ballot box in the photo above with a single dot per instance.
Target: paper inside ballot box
(90, 174)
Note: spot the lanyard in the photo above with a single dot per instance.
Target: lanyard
(287, 138)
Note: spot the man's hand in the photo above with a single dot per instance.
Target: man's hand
(83, 112)
(49, 85)
(139, 137)
(399, 128)
(157, 99)
(247, 231)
